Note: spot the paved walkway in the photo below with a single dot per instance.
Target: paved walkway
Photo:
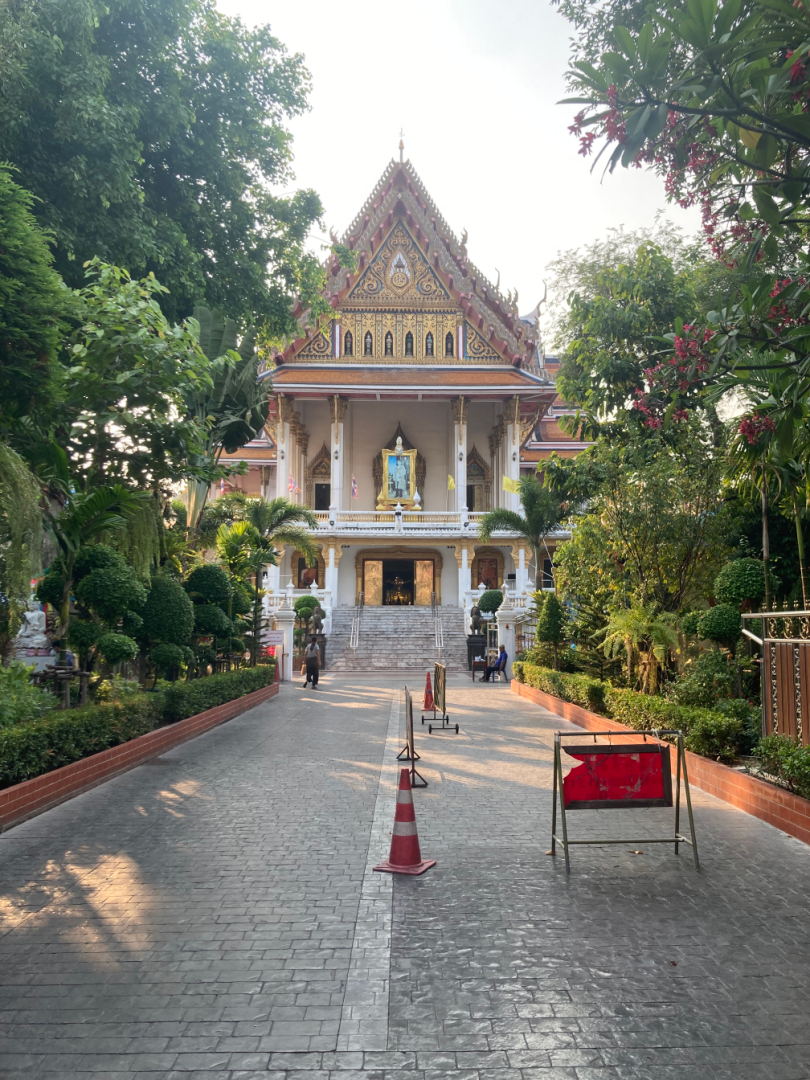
(215, 913)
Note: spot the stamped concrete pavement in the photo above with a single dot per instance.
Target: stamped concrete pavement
(215, 912)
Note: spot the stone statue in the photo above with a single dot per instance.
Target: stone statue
(32, 632)
(317, 621)
(475, 619)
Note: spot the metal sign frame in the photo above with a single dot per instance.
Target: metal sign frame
(408, 751)
(440, 703)
(676, 839)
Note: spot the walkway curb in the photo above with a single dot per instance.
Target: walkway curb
(41, 793)
(778, 807)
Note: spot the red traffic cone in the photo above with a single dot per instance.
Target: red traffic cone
(405, 857)
(428, 695)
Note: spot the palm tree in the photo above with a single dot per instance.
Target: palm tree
(542, 512)
(282, 521)
(645, 634)
(80, 521)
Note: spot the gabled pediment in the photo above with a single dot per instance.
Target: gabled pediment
(398, 275)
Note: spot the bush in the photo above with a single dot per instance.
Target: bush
(188, 698)
(715, 733)
(83, 635)
(704, 682)
(168, 614)
(167, 657)
(116, 689)
(787, 760)
(21, 701)
(210, 619)
(740, 580)
(117, 648)
(490, 601)
(580, 690)
(209, 584)
(304, 606)
(51, 588)
(95, 557)
(32, 749)
(690, 623)
(721, 624)
(111, 592)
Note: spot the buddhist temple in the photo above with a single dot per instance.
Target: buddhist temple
(404, 418)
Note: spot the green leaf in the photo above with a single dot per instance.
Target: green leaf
(645, 43)
(768, 210)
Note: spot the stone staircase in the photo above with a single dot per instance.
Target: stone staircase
(396, 639)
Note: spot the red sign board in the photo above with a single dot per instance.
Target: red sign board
(616, 776)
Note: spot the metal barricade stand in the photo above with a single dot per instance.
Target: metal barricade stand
(408, 751)
(609, 783)
(440, 702)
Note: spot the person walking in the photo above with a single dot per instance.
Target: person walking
(311, 659)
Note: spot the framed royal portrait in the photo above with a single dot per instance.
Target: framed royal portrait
(399, 477)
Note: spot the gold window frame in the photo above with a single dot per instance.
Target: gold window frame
(407, 503)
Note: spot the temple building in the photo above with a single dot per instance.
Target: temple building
(405, 417)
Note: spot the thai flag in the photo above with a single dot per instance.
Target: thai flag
(354, 488)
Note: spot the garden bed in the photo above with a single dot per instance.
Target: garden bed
(778, 807)
(43, 740)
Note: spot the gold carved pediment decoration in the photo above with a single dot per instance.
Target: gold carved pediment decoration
(318, 347)
(478, 348)
(398, 274)
(319, 470)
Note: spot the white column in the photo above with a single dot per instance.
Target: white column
(285, 619)
(505, 617)
(512, 462)
(464, 580)
(522, 582)
(461, 464)
(284, 461)
(337, 411)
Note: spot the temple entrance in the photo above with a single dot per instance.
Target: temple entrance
(399, 580)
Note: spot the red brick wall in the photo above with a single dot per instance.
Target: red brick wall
(778, 807)
(34, 796)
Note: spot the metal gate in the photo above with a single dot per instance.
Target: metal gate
(785, 671)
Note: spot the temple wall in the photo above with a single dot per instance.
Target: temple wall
(370, 424)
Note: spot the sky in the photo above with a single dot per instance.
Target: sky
(474, 85)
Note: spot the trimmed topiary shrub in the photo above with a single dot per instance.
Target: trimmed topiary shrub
(740, 580)
(490, 601)
(168, 614)
(706, 680)
(690, 623)
(210, 619)
(209, 584)
(167, 658)
(721, 624)
(117, 648)
(110, 592)
(580, 690)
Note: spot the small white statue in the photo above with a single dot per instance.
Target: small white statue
(32, 632)
(398, 448)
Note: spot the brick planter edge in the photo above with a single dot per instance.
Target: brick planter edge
(41, 793)
(778, 807)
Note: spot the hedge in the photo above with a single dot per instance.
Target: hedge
(183, 699)
(785, 759)
(59, 738)
(711, 732)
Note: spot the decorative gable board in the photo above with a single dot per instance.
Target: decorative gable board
(399, 276)
(478, 349)
(317, 348)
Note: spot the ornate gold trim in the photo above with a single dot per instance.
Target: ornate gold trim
(421, 465)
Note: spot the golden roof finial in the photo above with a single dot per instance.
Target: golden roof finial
(401, 143)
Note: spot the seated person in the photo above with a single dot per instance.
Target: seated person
(499, 665)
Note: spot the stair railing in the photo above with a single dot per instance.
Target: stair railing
(354, 638)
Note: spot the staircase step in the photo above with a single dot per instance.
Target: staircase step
(397, 639)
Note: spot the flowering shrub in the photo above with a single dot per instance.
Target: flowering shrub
(21, 701)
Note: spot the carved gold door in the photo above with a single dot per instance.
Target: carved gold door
(423, 582)
(373, 582)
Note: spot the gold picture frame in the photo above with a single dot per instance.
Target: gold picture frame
(398, 478)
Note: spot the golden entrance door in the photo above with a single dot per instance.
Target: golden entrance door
(373, 582)
(423, 582)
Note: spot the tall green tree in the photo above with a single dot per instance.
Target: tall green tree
(542, 512)
(232, 408)
(32, 300)
(153, 134)
(20, 539)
